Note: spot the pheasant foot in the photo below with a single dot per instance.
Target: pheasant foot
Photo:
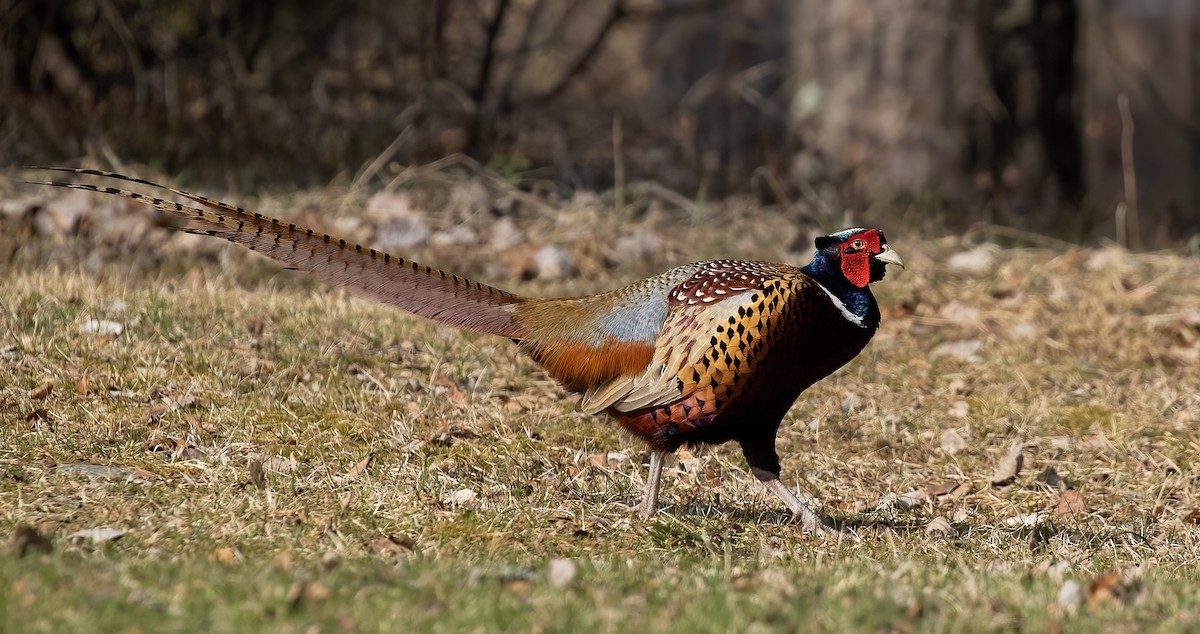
(812, 522)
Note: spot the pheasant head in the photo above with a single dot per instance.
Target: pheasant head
(845, 263)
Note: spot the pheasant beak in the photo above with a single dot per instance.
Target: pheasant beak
(888, 256)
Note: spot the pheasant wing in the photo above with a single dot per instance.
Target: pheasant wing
(702, 310)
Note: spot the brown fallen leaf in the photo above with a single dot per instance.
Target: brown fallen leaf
(952, 442)
(359, 467)
(156, 412)
(81, 386)
(227, 555)
(258, 477)
(1105, 589)
(393, 544)
(948, 491)
(42, 391)
(286, 560)
(1051, 477)
(940, 527)
(26, 539)
(311, 591)
(1071, 505)
(1010, 465)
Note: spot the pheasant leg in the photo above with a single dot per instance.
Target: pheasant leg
(799, 509)
(650, 499)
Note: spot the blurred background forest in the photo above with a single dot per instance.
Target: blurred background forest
(1073, 118)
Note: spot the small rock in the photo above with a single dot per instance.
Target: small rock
(60, 216)
(618, 457)
(960, 409)
(1070, 595)
(398, 234)
(387, 204)
(1023, 330)
(977, 260)
(505, 235)
(637, 247)
(560, 572)
(960, 313)
(1107, 257)
(101, 327)
(1032, 519)
(952, 442)
(461, 497)
(965, 350)
(457, 236)
(552, 262)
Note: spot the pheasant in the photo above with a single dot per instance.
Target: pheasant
(704, 353)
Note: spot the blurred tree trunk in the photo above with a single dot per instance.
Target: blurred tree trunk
(881, 92)
(1028, 157)
(1146, 50)
(964, 101)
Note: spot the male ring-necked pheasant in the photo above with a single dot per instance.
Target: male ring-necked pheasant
(704, 353)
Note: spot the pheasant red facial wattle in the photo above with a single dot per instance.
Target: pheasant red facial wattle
(856, 257)
(704, 353)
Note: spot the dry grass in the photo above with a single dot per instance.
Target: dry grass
(241, 405)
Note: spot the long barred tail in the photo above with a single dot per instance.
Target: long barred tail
(422, 290)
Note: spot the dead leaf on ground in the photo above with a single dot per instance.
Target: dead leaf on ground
(1106, 589)
(359, 468)
(940, 527)
(42, 391)
(81, 386)
(948, 491)
(1051, 477)
(1071, 504)
(227, 555)
(156, 412)
(1010, 465)
(311, 591)
(393, 544)
(258, 477)
(26, 539)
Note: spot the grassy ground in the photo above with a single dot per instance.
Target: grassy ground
(281, 456)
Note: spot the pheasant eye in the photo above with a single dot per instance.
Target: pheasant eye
(858, 245)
